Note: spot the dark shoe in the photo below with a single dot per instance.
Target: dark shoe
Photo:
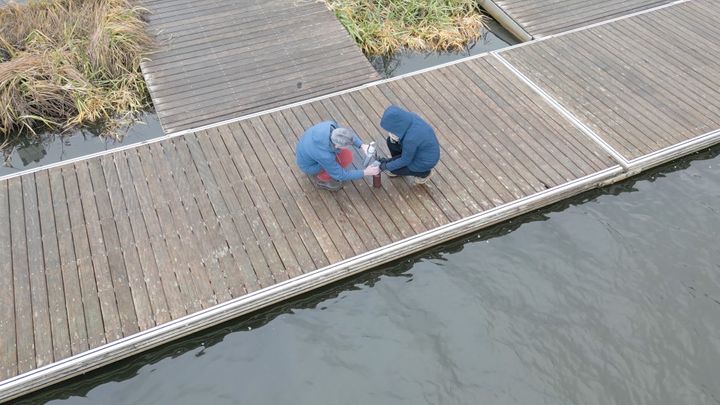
(330, 185)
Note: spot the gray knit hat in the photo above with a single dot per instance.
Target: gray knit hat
(342, 136)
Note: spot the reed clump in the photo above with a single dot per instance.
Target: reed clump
(69, 63)
(383, 27)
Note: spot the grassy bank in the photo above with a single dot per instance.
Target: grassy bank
(383, 27)
(69, 63)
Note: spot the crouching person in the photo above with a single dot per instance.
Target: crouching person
(322, 153)
(413, 146)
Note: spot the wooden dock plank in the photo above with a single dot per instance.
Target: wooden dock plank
(279, 205)
(651, 129)
(334, 225)
(633, 106)
(107, 244)
(8, 337)
(600, 118)
(246, 56)
(134, 275)
(99, 330)
(313, 233)
(191, 152)
(306, 203)
(211, 251)
(532, 174)
(38, 283)
(491, 191)
(269, 206)
(21, 279)
(186, 263)
(257, 273)
(248, 193)
(524, 144)
(220, 197)
(117, 308)
(541, 18)
(161, 249)
(59, 310)
(699, 92)
(636, 82)
(150, 273)
(237, 57)
(68, 264)
(550, 122)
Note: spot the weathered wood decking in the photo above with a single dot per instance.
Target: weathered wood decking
(529, 19)
(224, 59)
(108, 256)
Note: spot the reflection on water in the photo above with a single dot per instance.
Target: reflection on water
(612, 297)
(55, 148)
(493, 38)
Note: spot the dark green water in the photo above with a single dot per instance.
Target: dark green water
(494, 37)
(54, 148)
(610, 298)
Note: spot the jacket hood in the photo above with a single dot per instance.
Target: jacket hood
(396, 120)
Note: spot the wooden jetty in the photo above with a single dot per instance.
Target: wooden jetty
(108, 256)
(533, 19)
(219, 60)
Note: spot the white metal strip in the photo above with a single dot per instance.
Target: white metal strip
(128, 346)
(565, 112)
(672, 152)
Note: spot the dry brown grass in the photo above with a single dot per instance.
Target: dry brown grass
(68, 63)
(383, 27)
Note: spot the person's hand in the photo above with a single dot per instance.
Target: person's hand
(364, 148)
(372, 170)
(383, 163)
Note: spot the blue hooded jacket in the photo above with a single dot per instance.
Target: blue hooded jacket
(420, 147)
(315, 151)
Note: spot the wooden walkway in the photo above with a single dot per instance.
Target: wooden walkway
(106, 257)
(529, 19)
(224, 59)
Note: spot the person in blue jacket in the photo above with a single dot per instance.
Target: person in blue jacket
(323, 155)
(412, 143)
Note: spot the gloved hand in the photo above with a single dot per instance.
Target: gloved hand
(383, 162)
(393, 138)
(364, 148)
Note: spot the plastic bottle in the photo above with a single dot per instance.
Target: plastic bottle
(371, 160)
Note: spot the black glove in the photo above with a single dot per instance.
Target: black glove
(383, 162)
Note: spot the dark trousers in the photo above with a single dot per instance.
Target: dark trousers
(395, 152)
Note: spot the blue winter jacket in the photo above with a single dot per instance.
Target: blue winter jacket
(420, 147)
(315, 151)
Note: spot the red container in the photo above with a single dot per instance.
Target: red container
(377, 181)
